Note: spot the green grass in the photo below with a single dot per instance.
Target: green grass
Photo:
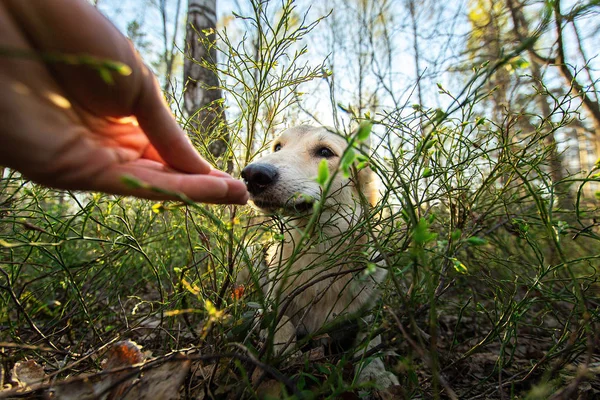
(493, 286)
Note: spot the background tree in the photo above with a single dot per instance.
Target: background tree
(492, 290)
(203, 101)
(580, 81)
(169, 42)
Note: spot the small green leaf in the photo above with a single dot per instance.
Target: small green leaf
(562, 227)
(421, 234)
(431, 218)
(279, 237)
(425, 144)
(106, 76)
(521, 226)
(476, 241)
(521, 63)
(456, 234)
(364, 130)
(347, 161)
(118, 67)
(371, 268)
(133, 183)
(362, 161)
(124, 69)
(362, 165)
(429, 144)
(405, 215)
(348, 157)
(459, 266)
(439, 116)
(427, 172)
(323, 173)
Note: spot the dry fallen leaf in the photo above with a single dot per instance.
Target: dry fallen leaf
(26, 373)
(391, 393)
(162, 382)
(123, 354)
(92, 389)
(313, 355)
(270, 389)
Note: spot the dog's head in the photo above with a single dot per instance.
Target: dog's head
(285, 180)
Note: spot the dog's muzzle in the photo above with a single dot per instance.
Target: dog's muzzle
(259, 177)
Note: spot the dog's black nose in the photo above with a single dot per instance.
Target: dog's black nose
(258, 177)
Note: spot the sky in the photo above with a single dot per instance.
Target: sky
(320, 46)
(441, 42)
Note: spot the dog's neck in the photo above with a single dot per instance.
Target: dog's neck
(333, 248)
(332, 222)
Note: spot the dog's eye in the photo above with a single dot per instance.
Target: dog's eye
(324, 152)
(277, 147)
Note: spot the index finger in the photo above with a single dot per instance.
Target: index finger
(167, 137)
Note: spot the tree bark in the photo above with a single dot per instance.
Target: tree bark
(557, 170)
(591, 106)
(202, 92)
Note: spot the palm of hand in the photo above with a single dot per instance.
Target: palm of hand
(64, 126)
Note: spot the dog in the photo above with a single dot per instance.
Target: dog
(317, 272)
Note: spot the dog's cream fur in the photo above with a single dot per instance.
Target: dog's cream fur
(323, 280)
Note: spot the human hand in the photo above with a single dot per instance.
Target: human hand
(62, 125)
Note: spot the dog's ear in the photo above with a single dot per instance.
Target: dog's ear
(367, 184)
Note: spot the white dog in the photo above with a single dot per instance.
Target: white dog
(317, 277)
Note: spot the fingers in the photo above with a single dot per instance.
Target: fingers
(151, 154)
(75, 27)
(221, 174)
(74, 31)
(206, 188)
(169, 140)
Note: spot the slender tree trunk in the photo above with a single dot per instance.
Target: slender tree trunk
(584, 158)
(415, 33)
(557, 170)
(169, 49)
(202, 92)
(362, 33)
(589, 104)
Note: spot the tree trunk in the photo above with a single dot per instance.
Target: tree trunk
(557, 169)
(202, 92)
(589, 104)
(169, 49)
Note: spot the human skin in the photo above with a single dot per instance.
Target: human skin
(64, 126)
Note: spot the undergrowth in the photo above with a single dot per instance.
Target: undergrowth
(492, 288)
